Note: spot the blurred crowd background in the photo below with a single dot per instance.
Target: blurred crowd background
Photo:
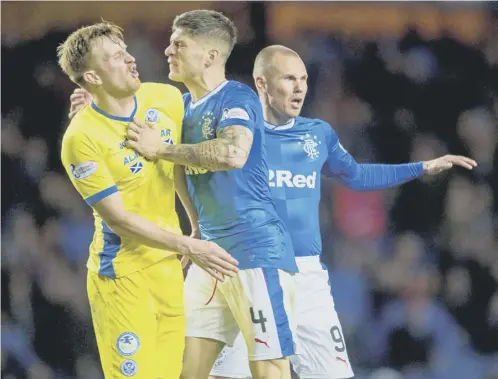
(414, 270)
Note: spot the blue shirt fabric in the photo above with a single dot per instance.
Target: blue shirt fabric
(235, 207)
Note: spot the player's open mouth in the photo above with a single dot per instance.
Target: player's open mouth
(296, 103)
(134, 73)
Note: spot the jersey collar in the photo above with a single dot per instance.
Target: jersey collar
(117, 118)
(208, 95)
(289, 124)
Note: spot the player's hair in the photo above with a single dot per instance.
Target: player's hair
(264, 58)
(74, 54)
(208, 24)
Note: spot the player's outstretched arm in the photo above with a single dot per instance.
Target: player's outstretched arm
(228, 151)
(344, 169)
(208, 255)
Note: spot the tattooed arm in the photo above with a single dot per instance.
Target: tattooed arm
(228, 151)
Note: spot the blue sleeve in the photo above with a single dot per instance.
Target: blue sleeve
(242, 108)
(343, 169)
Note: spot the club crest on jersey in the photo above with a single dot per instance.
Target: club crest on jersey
(129, 367)
(310, 146)
(127, 344)
(151, 115)
(206, 125)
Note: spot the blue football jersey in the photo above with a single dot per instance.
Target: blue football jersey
(235, 207)
(296, 154)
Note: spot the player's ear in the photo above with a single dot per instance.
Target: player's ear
(260, 82)
(91, 77)
(212, 56)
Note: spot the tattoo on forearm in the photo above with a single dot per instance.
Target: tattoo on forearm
(230, 149)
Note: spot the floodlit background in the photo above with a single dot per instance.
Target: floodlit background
(414, 270)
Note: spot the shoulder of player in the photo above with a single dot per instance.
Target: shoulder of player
(155, 89)
(83, 128)
(312, 123)
(237, 90)
(315, 124)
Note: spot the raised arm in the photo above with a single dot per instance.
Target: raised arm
(344, 169)
(228, 151)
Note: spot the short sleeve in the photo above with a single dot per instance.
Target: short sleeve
(86, 168)
(242, 108)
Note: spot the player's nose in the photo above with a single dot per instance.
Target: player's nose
(298, 88)
(168, 51)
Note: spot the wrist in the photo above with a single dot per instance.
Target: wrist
(425, 167)
(164, 151)
(183, 245)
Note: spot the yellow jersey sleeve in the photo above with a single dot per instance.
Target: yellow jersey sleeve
(86, 167)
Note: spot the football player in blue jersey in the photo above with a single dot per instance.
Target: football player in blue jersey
(298, 149)
(223, 155)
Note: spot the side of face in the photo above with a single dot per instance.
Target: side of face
(187, 56)
(112, 68)
(286, 84)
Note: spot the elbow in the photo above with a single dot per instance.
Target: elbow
(115, 221)
(236, 163)
(237, 158)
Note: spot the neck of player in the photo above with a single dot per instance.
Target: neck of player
(205, 83)
(273, 116)
(116, 107)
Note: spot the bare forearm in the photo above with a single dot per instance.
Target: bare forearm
(214, 155)
(228, 151)
(147, 233)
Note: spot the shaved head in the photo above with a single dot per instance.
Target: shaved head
(264, 63)
(280, 78)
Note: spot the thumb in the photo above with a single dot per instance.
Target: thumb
(151, 125)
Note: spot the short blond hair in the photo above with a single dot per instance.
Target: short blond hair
(75, 52)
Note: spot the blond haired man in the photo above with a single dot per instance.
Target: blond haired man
(135, 281)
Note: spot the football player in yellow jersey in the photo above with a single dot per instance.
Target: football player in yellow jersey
(135, 281)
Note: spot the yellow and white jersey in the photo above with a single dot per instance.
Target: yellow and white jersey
(99, 163)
